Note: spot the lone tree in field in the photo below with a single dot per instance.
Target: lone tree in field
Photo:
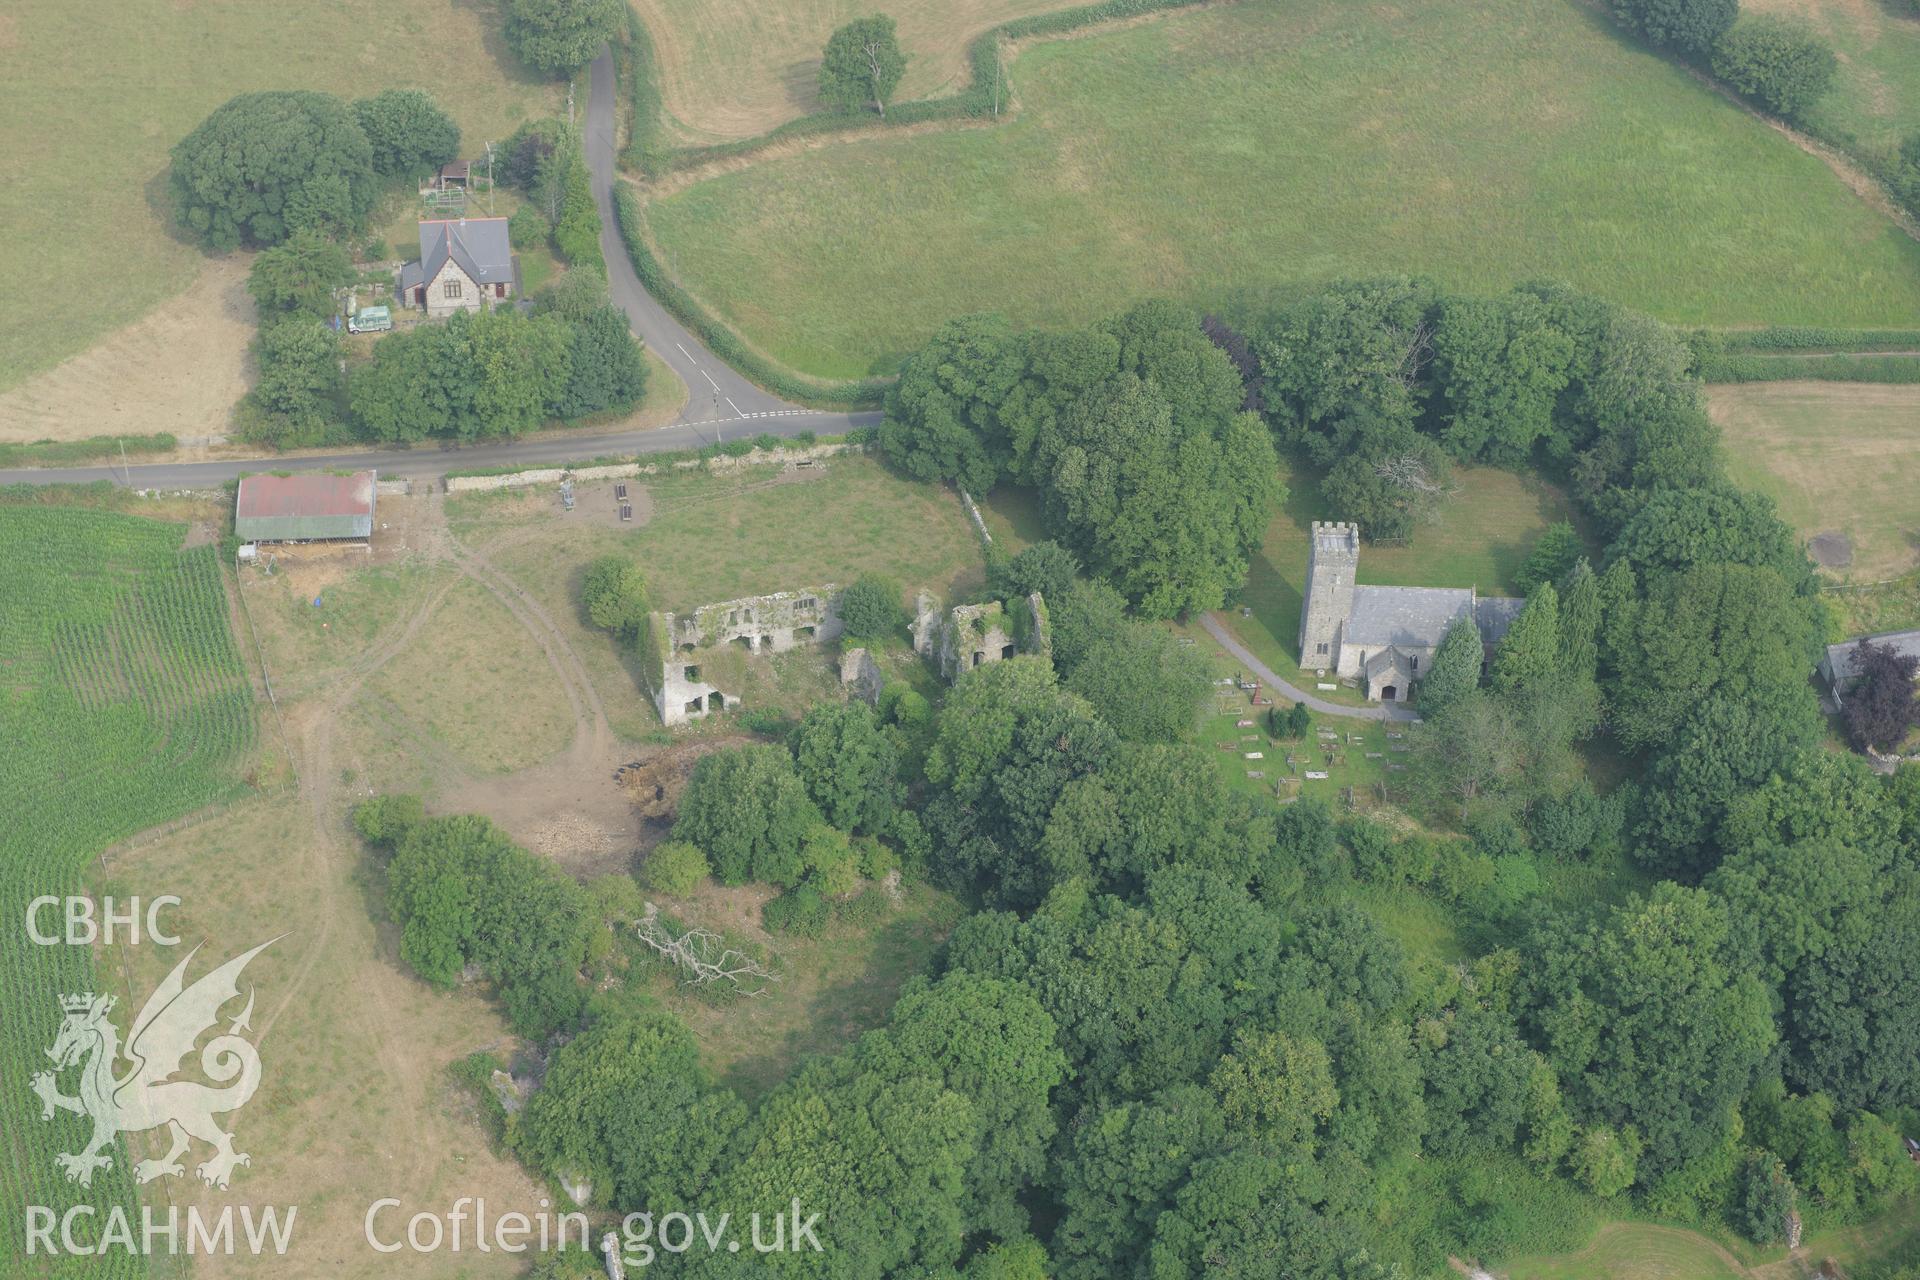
(862, 65)
(267, 164)
(561, 36)
(615, 595)
(408, 133)
(1882, 707)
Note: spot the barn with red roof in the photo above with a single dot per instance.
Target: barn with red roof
(312, 507)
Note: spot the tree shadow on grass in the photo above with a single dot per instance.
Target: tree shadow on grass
(493, 41)
(801, 80)
(1275, 601)
(157, 193)
(836, 1015)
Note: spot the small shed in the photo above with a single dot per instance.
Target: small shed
(455, 174)
(313, 507)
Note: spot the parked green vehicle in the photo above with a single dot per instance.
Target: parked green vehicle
(371, 320)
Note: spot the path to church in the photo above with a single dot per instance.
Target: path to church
(1387, 711)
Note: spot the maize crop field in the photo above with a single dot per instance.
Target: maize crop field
(123, 703)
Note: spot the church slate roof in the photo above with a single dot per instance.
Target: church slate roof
(1408, 616)
(1389, 659)
(1494, 615)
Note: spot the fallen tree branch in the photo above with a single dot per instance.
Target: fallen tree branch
(703, 956)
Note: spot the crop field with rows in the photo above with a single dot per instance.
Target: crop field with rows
(123, 703)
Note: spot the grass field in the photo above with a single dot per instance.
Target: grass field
(1219, 155)
(94, 96)
(1876, 97)
(1635, 1251)
(1892, 607)
(126, 704)
(354, 1051)
(1480, 541)
(1628, 1250)
(471, 661)
(1838, 458)
(731, 69)
(719, 536)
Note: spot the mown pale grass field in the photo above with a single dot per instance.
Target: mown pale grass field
(94, 95)
(1876, 96)
(1219, 155)
(471, 660)
(734, 68)
(1837, 457)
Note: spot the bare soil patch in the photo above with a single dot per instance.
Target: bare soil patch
(1831, 550)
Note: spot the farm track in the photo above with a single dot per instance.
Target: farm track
(592, 741)
(317, 776)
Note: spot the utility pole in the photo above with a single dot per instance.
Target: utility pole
(126, 474)
(569, 104)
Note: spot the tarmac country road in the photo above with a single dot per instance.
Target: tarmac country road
(721, 402)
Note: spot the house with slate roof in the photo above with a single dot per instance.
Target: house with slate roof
(464, 264)
(1838, 665)
(1383, 638)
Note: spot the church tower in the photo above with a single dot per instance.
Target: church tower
(1333, 559)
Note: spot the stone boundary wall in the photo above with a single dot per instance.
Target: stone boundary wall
(625, 470)
(544, 475)
(973, 512)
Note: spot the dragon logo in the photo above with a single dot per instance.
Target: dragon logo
(145, 1096)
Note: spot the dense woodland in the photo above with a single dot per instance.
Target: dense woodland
(1170, 1041)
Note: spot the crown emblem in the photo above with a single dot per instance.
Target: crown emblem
(77, 1004)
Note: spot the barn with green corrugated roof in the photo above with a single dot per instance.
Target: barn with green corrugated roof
(315, 507)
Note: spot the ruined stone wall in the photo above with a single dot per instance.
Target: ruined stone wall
(696, 649)
(973, 635)
(779, 621)
(861, 676)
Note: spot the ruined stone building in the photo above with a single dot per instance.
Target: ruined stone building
(861, 676)
(1382, 637)
(971, 635)
(701, 656)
